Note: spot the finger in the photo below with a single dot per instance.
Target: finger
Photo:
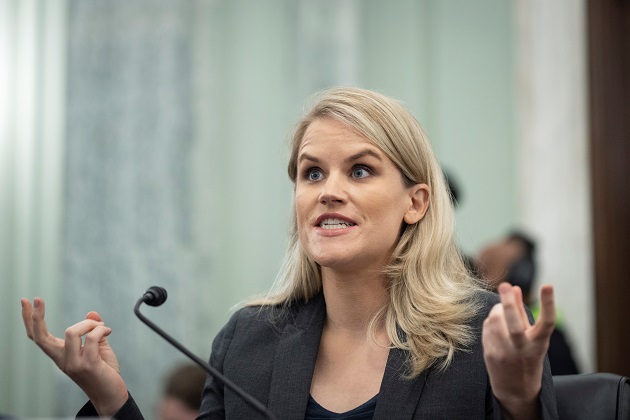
(27, 314)
(94, 316)
(73, 337)
(93, 340)
(518, 296)
(511, 310)
(40, 331)
(50, 344)
(547, 320)
(494, 327)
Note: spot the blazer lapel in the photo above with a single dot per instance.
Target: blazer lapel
(398, 396)
(294, 361)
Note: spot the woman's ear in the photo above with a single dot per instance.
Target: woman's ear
(420, 198)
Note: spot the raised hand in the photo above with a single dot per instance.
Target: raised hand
(83, 354)
(514, 350)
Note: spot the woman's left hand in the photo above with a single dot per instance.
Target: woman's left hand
(514, 350)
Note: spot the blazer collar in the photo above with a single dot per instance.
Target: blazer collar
(398, 396)
(294, 360)
(294, 363)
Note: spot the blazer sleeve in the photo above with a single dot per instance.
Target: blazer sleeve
(547, 392)
(212, 403)
(129, 411)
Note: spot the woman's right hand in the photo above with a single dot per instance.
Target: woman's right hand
(83, 354)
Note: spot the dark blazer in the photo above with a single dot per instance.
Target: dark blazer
(271, 355)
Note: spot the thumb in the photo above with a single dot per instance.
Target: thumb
(94, 316)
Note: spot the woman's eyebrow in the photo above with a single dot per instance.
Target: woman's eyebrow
(356, 156)
(306, 156)
(364, 153)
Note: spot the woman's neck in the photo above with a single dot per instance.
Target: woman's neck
(353, 300)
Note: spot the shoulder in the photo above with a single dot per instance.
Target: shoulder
(483, 300)
(252, 327)
(486, 299)
(261, 329)
(256, 321)
(251, 319)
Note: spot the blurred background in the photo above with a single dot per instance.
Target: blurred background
(144, 143)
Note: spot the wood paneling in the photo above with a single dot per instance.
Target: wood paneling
(609, 84)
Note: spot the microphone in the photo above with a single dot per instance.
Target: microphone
(155, 296)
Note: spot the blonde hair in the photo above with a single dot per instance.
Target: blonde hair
(431, 292)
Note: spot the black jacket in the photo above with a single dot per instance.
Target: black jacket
(271, 355)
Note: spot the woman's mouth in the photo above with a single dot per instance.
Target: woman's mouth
(330, 224)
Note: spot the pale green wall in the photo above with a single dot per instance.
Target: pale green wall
(452, 62)
(473, 120)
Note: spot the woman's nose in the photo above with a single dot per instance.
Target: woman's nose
(333, 190)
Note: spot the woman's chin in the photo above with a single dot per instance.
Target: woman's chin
(344, 264)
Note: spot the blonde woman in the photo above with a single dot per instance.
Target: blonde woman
(373, 314)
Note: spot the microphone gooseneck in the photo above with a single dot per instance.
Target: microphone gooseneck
(155, 296)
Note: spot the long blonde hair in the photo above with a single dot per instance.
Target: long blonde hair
(431, 292)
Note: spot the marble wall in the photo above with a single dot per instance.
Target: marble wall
(128, 221)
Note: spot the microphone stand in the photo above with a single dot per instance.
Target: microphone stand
(253, 402)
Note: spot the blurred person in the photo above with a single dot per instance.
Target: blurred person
(373, 314)
(181, 395)
(512, 260)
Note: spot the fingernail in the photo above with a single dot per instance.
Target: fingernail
(36, 303)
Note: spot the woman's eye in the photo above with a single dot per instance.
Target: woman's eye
(314, 174)
(360, 172)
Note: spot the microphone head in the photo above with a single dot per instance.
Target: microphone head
(155, 296)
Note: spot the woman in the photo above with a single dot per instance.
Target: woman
(374, 313)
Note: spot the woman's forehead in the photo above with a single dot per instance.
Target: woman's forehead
(331, 133)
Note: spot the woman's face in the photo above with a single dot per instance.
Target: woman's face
(350, 198)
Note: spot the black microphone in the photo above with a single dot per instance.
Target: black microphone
(155, 296)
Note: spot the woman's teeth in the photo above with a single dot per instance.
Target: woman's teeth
(335, 224)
